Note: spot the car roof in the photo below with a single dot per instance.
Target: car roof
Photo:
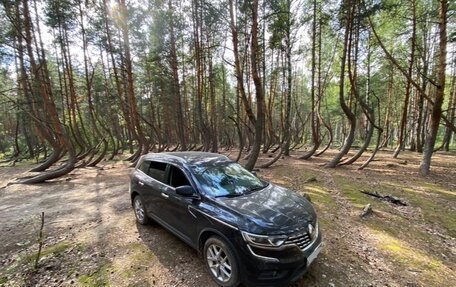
(192, 158)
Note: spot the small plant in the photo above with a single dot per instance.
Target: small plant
(40, 242)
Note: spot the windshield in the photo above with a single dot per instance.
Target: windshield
(230, 179)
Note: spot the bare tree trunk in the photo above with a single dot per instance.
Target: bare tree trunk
(405, 107)
(436, 113)
(387, 123)
(288, 48)
(137, 131)
(451, 109)
(88, 80)
(367, 110)
(315, 121)
(259, 125)
(175, 71)
(239, 72)
(348, 113)
(43, 94)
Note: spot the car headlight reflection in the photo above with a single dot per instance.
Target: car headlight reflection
(264, 240)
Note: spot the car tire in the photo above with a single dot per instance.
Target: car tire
(221, 262)
(140, 211)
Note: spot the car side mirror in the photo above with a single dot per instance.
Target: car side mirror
(185, 190)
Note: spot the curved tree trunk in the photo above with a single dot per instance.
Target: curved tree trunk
(276, 158)
(363, 148)
(69, 166)
(368, 111)
(41, 92)
(53, 158)
(330, 140)
(348, 113)
(101, 156)
(377, 147)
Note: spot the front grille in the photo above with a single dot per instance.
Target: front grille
(301, 240)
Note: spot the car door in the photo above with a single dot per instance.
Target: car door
(176, 212)
(152, 185)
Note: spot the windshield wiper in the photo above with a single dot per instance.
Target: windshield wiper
(229, 195)
(258, 187)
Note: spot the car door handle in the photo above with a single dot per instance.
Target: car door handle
(164, 195)
(140, 183)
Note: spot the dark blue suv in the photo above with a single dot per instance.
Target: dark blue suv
(247, 230)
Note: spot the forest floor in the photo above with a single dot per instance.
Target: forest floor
(91, 238)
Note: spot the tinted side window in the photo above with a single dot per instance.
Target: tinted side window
(157, 170)
(178, 178)
(144, 167)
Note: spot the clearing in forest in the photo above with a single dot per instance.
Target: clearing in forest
(91, 238)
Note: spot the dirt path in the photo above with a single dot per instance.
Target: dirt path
(91, 238)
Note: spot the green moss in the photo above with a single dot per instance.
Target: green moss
(409, 258)
(351, 190)
(433, 200)
(98, 278)
(3, 280)
(393, 247)
(407, 255)
(141, 253)
(435, 189)
(55, 250)
(434, 211)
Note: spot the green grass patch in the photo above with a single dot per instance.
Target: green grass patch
(139, 255)
(414, 235)
(409, 258)
(319, 195)
(439, 191)
(351, 189)
(55, 250)
(29, 258)
(140, 252)
(3, 280)
(99, 278)
(433, 211)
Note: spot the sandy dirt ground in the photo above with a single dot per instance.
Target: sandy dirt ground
(91, 237)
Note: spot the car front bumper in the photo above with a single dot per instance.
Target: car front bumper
(258, 271)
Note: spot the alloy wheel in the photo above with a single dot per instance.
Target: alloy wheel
(139, 209)
(219, 263)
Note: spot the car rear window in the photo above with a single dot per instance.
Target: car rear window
(144, 167)
(157, 170)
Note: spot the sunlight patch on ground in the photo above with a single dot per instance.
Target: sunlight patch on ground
(430, 187)
(411, 259)
(316, 189)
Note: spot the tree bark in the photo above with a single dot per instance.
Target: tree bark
(259, 125)
(400, 144)
(436, 113)
(348, 113)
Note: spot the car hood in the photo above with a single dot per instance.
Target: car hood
(272, 210)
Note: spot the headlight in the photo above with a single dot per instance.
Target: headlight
(313, 230)
(264, 240)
